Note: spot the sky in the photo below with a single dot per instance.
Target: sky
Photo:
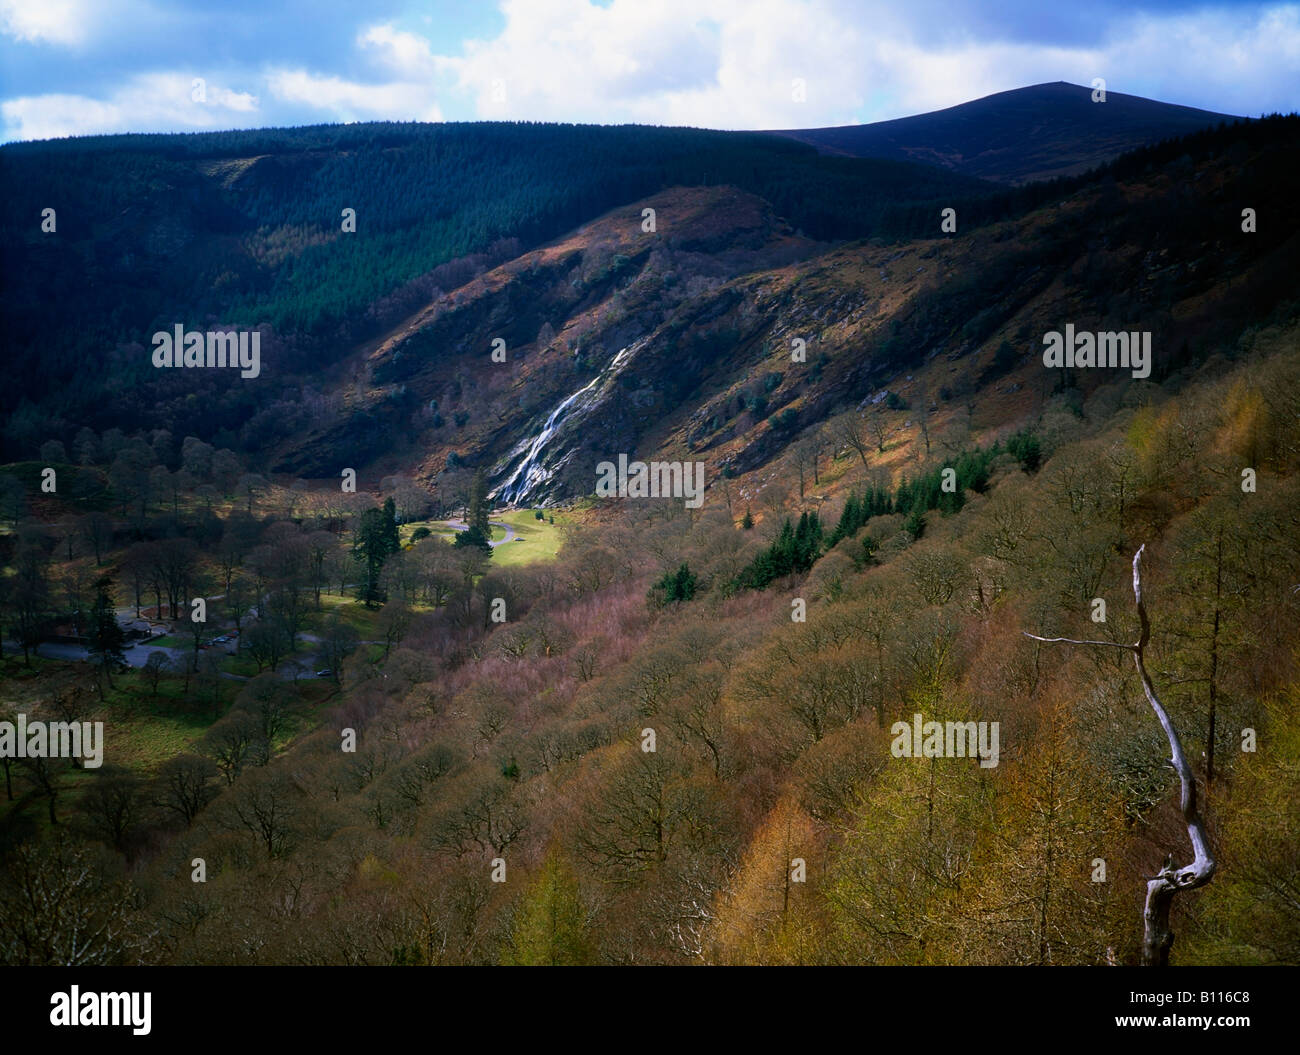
(79, 67)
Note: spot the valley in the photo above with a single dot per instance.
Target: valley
(564, 582)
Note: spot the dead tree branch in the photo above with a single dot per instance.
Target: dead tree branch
(1157, 938)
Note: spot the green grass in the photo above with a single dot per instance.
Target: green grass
(239, 664)
(14, 670)
(365, 621)
(539, 540)
(184, 641)
(142, 730)
(436, 527)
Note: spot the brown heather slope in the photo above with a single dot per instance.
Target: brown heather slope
(706, 307)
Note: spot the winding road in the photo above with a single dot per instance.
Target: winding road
(460, 525)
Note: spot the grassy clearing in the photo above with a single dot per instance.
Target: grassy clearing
(539, 540)
(239, 664)
(365, 621)
(15, 673)
(174, 641)
(436, 527)
(142, 731)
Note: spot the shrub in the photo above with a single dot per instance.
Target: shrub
(674, 587)
(473, 536)
(1024, 447)
(914, 525)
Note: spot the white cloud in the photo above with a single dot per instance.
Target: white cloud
(1241, 64)
(351, 100)
(54, 116)
(722, 63)
(162, 101)
(714, 63)
(409, 96)
(932, 80)
(400, 52)
(1223, 61)
(730, 63)
(64, 22)
(240, 102)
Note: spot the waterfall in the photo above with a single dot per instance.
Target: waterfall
(532, 470)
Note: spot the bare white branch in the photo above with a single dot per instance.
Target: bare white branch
(1157, 938)
(1073, 641)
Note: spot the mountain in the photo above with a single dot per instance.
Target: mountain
(244, 229)
(1034, 133)
(374, 343)
(800, 722)
(247, 229)
(677, 343)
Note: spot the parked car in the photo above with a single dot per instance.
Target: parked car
(326, 673)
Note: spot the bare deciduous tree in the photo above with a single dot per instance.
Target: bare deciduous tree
(851, 432)
(880, 429)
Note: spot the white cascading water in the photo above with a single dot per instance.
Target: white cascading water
(532, 470)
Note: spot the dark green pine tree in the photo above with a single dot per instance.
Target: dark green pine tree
(783, 551)
(392, 540)
(479, 506)
(807, 542)
(370, 548)
(850, 520)
(903, 498)
(674, 586)
(914, 525)
(478, 531)
(683, 584)
(106, 636)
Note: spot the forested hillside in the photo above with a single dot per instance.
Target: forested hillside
(700, 317)
(368, 699)
(246, 228)
(525, 742)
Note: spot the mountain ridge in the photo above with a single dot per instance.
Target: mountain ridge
(1029, 129)
(705, 367)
